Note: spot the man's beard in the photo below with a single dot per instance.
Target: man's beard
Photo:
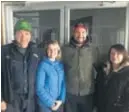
(82, 41)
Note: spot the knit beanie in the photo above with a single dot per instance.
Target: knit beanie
(22, 25)
(79, 25)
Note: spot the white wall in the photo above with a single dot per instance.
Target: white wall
(108, 26)
(39, 5)
(127, 27)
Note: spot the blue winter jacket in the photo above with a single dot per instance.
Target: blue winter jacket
(50, 84)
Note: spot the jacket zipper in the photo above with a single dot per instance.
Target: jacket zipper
(57, 81)
(78, 71)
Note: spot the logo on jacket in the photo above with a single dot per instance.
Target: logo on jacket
(35, 55)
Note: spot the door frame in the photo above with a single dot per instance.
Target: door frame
(127, 28)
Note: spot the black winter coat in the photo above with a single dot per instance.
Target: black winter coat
(8, 56)
(117, 91)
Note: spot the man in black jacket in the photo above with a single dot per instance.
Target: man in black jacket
(19, 62)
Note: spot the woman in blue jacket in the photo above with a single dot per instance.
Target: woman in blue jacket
(50, 85)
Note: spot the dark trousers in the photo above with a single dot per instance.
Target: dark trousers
(46, 109)
(21, 104)
(79, 103)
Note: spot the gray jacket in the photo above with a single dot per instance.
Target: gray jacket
(79, 69)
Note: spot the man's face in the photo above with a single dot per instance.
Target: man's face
(23, 38)
(80, 34)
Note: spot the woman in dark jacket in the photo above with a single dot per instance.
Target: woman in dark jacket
(117, 83)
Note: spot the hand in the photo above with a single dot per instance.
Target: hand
(107, 68)
(57, 105)
(59, 102)
(3, 106)
(54, 107)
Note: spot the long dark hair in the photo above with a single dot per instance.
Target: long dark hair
(121, 49)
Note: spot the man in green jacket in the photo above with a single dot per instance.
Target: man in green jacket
(79, 58)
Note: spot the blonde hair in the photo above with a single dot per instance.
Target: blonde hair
(54, 42)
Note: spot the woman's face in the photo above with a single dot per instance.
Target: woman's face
(52, 51)
(115, 56)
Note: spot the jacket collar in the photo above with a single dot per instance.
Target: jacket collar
(46, 59)
(108, 68)
(122, 66)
